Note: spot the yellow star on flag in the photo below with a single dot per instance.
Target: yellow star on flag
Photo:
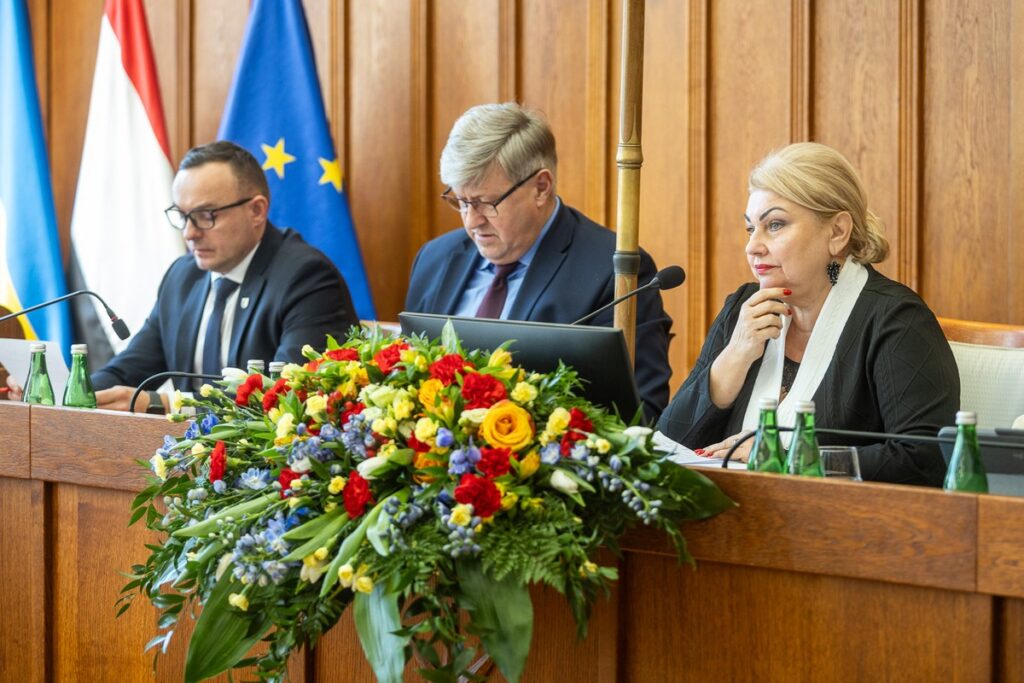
(276, 157)
(332, 173)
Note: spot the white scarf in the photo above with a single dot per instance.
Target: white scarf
(821, 347)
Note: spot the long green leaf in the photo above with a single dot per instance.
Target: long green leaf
(702, 498)
(223, 634)
(377, 619)
(501, 615)
(209, 524)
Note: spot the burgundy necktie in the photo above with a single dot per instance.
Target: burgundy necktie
(494, 299)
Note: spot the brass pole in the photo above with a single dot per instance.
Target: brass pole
(629, 160)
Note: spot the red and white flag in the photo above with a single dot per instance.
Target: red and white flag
(122, 244)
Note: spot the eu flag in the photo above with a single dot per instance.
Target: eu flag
(31, 269)
(276, 111)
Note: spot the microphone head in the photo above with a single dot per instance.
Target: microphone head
(670, 277)
(120, 328)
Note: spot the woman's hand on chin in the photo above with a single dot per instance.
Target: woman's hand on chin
(760, 319)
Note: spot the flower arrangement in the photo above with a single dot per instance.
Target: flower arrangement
(408, 478)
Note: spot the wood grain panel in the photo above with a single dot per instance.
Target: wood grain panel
(23, 561)
(665, 149)
(856, 98)
(728, 623)
(966, 130)
(94, 459)
(215, 36)
(380, 117)
(554, 72)
(14, 444)
(748, 115)
(1000, 539)
(1010, 626)
(793, 526)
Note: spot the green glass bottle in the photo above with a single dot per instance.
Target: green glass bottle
(766, 453)
(254, 366)
(966, 472)
(38, 389)
(276, 366)
(78, 393)
(803, 457)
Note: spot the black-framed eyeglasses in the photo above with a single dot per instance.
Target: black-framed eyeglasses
(203, 219)
(487, 209)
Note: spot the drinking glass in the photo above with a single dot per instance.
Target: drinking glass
(840, 462)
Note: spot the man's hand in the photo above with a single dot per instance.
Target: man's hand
(118, 398)
(14, 390)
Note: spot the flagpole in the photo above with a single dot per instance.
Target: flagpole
(629, 160)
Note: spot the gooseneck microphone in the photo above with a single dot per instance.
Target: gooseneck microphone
(120, 328)
(165, 375)
(666, 278)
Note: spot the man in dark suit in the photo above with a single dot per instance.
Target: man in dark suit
(246, 290)
(523, 254)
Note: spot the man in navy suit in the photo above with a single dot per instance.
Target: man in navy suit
(523, 254)
(246, 291)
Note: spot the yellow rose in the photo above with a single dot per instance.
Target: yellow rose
(425, 429)
(428, 396)
(524, 392)
(506, 425)
(529, 464)
(558, 421)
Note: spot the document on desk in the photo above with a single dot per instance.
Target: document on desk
(678, 453)
(16, 356)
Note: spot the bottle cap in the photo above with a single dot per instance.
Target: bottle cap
(254, 363)
(36, 347)
(768, 403)
(277, 365)
(80, 348)
(966, 417)
(804, 406)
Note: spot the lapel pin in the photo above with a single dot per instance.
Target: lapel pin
(245, 302)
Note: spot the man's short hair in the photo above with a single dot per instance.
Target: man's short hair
(517, 138)
(246, 169)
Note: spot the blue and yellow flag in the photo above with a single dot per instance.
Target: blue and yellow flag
(276, 111)
(31, 270)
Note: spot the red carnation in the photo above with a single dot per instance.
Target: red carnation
(482, 391)
(356, 494)
(342, 354)
(286, 479)
(445, 368)
(350, 409)
(218, 460)
(273, 395)
(479, 492)
(418, 445)
(387, 359)
(493, 462)
(252, 383)
(578, 420)
(568, 439)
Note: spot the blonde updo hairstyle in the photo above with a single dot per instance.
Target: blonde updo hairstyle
(518, 139)
(819, 178)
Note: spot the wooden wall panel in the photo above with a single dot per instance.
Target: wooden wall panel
(748, 116)
(856, 100)
(966, 210)
(24, 656)
(918, 95)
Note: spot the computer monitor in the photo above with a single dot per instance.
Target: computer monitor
(598, 354)
(1004, 463)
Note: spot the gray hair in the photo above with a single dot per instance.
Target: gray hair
(518, 139)
(819, 178)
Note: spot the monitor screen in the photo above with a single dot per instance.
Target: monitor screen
(598, 354)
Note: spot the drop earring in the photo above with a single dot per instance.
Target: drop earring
(833, 272)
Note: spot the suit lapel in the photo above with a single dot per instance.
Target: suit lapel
(188, 331)
(251, 291)
(546, 262)
(454, 278)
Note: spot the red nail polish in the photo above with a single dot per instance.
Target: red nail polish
(699, 451)
(787, 292)
(789, 310)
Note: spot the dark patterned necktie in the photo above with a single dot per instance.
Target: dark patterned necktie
(211, 342)
(494, 300)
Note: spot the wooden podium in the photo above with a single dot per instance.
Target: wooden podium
(805, 581)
